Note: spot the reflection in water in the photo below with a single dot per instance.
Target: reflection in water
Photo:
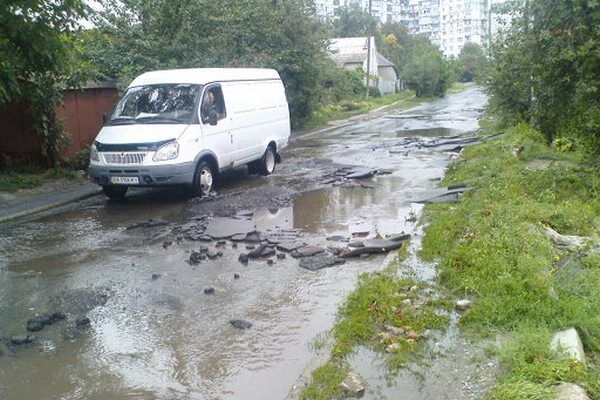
(163, 337)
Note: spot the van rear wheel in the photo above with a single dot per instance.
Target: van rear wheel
(266, 165)
(115, 191)
(204, 179)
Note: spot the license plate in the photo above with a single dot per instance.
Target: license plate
(125, 180)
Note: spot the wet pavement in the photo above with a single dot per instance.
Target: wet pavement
(147, 317)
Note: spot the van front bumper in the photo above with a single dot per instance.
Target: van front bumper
(153, 175)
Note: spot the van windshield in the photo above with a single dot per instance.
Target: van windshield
(157, 104)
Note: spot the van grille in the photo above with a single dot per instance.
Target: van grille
(124, 158)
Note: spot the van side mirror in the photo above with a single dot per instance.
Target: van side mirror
(213, 117)
(105, 118)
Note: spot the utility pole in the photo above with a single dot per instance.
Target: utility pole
(369, 47)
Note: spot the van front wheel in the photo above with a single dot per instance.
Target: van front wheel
(115, 191)
(266, 165)
(203, 179)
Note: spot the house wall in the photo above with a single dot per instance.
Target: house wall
(388, 80)
(372, 59)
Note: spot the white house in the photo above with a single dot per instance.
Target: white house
(351, 53)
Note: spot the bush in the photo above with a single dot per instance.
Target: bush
(81, 159)
(544, 69)
(374, 92)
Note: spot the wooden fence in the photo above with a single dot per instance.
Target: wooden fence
(81, 114)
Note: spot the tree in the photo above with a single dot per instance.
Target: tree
(134, 36)
(427, 71)
(37, 59)
(421, 63)
(352, 21)
(395, 43)
(471, 63)
(545, 68)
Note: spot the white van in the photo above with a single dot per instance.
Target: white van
(184, 126)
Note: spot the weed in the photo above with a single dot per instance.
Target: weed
(346, 109)
(325, 382)
(490, 245)
(12, 181)
(375, 314)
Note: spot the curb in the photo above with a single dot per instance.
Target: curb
(48, 206)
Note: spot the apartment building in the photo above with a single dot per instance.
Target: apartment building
(463, 21)
(383, 10)
(447, 23)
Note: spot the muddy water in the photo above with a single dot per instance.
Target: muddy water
(162, 337)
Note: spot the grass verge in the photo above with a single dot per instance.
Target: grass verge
(385, 312)
(349, 108)
(459, 87)
(490, 246)
(17, 177)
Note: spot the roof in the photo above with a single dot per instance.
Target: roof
(348, 50)
(203, 76)
(383, 62)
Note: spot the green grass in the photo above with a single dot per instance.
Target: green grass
(325, 382)
(380, 300)
(12, 182)
(351, 107)
(459, 87)
(27, 176)
(490, 247)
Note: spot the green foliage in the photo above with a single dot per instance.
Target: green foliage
(335, 110)
(533, 368)
(37, 59)
(325, 382)
(563, 145)
(395, 43)
(521, 390)
(490, 245)
(381, 299)
(13, 181)
(80, 160)
(471, 63)
(378, 301)
(133, 37)
(544, 69)
(352, 21)
(420, 63)
(427, 72)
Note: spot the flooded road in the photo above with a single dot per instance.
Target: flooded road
(141, 321)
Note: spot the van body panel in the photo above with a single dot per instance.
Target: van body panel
(139, 133)
(255, 114)
(259, 112)
(151, 175)
(202, 76)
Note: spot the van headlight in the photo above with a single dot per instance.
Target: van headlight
(94, 156)
(167, 152)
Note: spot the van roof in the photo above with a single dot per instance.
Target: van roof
(203, 76)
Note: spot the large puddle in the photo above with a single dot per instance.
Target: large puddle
(153, 331)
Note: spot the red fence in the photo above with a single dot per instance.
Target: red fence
(81, 115)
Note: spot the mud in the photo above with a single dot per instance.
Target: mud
(146, 327)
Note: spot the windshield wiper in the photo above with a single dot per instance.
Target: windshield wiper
(151, 119)
(121, 121)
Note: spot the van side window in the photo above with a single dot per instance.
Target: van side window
(213, 100)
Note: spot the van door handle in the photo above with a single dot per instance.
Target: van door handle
(231, 137)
